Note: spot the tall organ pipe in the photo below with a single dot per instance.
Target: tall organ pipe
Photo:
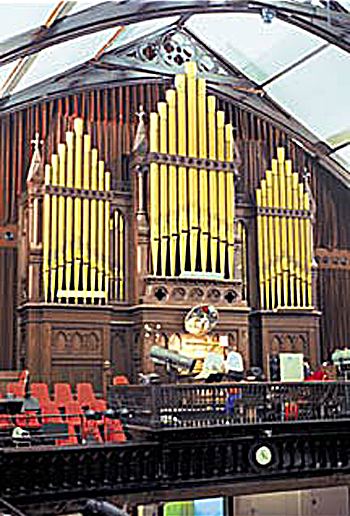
(192, 152)
(171, 99)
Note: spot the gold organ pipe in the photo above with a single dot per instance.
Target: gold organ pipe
(86, 211)
(116, 255)
(266, 261)
(107, 235)
(302, 248)
(94, 224)
(271, 238)
(164, 206)
(61, 216)
(54, 226)
(154, 192)
(46, 235)
(203, 175)
(284, 243)
(295, 182)
(222, 189)
(308, 245)
(180, 85)
(230, 201)
(101, 229)
(213, 183)
(171, 99)
(260, 250)
(277, 239)
(121, 256)
(69, 211)
(191, 69)
(289, 188)
(78, 128)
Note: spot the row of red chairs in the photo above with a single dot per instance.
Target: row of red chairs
(63, 393)
(79, 426)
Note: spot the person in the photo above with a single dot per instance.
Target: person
(234, 365)
(307, 369)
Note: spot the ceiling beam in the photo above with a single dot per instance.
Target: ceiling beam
(25, 63)
(332, 26)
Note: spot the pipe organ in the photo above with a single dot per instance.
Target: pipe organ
(83, 231)
(191, 183)
(284, 232)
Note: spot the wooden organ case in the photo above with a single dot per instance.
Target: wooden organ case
(287, 319)
(191, 249)
(72, 262)
(92, 260)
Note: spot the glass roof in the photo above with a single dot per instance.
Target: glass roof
(59, 58)
(259, 49)
(317, 92)
(307, 77)
(17, 17)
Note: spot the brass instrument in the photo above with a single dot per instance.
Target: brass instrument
(191, 183)
(284, 238)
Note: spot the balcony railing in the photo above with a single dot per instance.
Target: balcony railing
(205, 405)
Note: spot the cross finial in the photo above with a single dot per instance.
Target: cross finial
(37, 142)
(140, 115)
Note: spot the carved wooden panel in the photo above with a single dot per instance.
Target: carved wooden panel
(294, 342)
(176, 291)
(77, 342)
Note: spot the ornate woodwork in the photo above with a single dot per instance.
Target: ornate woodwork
(187, 464)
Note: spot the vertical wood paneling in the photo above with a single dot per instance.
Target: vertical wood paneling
(8, 268)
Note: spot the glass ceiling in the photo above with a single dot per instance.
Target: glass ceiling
(306, 76)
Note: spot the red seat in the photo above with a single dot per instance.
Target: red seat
(6, 422)
(99, 406)
(74, 413)
(113, 431)
(71, 438)
(28, 420)
(91, 431)
(120, 379)
(85, 394)
(16, 389)
(50, 413)
(62, 393)
(40, 391)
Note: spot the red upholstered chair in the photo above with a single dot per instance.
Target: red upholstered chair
(99, 406)
(92, 432)
(113, 431)
(6, 422)
(28, 420)
(85, 394)
(74, 413)
(50, 413)
(120, 379)
(16, 389)
(40, 391)
(62, 393)
(71, 438)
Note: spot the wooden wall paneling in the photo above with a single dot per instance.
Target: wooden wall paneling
(7, 171)
(14, 171)
(8, 283)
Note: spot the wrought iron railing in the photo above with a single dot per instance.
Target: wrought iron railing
(204, 405)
